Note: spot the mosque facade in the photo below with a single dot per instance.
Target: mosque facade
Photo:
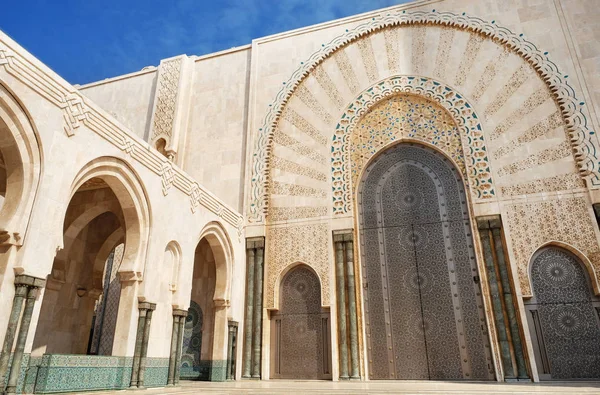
(407, 194)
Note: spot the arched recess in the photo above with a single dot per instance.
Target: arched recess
(393, 43)
(283, 273)
(21, 168)
(172, 263)
(133, 200)
(91, 294)
(409, 108)
(222, 249)
(205, 336)
(300, 328)
(563, 316)
(583, 260)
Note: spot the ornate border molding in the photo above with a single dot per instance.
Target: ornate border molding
(584, 149)
(471, 135)
(78, 110)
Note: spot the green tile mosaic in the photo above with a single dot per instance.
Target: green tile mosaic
(21, 381)
(68, 373)
(157, 372)
(218, 370)
(199, 371)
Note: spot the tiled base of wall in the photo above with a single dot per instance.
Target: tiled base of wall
(68, 373)
(205, 371)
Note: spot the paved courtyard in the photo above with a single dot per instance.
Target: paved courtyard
(377, 387)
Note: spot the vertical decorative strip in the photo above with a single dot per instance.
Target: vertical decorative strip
(468, 58)
(257, 316)
(341, 305)
(418, 48)
(250, 257)
(349, 247)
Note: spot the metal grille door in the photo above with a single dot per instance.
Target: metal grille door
(423, 306)
(301, 348)
(563, 317)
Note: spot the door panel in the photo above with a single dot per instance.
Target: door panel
(423, 305)
(300, 345)
(566, 325)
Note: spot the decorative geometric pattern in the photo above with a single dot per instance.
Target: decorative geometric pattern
(74, 373)
(361, 134)
(301, 336)
(287, 245)
(423, 310)
(533, 224)
(166, 96)
(569, 322)
(191, 365)
(576, 123)
(430, 118)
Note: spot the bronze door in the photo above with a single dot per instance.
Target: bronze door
(563, 317)
(422, 300)
(300, 335)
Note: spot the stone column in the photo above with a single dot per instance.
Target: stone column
(507, 325)
(11, 329)
(352, 315)
(144, 350)
(143, 309)
(257, 318)
(341, 304)
(182, 317)
(33, 284)
(177, 316)
(509, 302)
(231, 346)
(218, 368)
(247, 362)
(496, 297)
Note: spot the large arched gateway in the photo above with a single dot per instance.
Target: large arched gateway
(422, 301)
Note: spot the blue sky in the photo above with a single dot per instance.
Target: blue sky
(89, 40)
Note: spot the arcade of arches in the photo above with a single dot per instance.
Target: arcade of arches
(419, 200)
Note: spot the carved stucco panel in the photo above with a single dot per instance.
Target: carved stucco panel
(292, 244)
(533, 224)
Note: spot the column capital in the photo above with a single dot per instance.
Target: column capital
(255, 242)
(489, 222)
(343, 235)
(180, 313)
(221, 303)
(29, 281)
(146, 306)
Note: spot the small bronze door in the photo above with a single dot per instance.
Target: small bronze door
(300, 335)
(564, 317)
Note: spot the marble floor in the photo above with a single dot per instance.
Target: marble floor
(373, 387)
